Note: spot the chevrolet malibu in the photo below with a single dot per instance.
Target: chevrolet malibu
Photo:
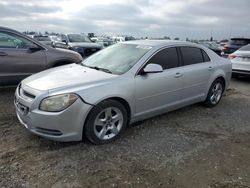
(117, 86)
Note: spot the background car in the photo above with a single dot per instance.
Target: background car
(233, 45)
(103, 41)
(222, 43)
(99, 99)
(212, 46)
(79, 43)
(43, 39)
(21, 56)
(241, 61)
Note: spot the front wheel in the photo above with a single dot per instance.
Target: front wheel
(106, 122)
(215, 93)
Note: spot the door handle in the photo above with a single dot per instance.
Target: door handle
(3, 54)
(210, 68)
(177, 75)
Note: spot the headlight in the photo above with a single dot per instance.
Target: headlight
(58, 102)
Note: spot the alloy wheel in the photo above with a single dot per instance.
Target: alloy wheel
(216, 93)
(108, 123)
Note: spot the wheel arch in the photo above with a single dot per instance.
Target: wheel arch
(223, 80)
(61, 62)
(123, 101)
(218, 74)
(119, 99)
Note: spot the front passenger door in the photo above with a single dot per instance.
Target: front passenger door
(16, 60)
(155, 92)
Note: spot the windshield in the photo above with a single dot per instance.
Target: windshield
(118, 58)
(78, 38)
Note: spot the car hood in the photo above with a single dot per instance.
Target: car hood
(84, 44)
(60, 53)
(66, 77)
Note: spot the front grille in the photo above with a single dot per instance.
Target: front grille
(90, 51)
(25, 93)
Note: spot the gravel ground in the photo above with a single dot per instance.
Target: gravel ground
(188, 148)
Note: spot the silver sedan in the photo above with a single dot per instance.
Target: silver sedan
(117, 86)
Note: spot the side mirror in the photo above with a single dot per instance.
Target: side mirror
(65, 41)
(152, 68)
(34, 48)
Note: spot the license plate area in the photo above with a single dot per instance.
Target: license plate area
(21, 108)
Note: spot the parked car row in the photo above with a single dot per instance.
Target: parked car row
(233, 45)
(77, 42)
(80, 42)
(118, 85)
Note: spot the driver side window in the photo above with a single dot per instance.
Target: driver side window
(8, 40)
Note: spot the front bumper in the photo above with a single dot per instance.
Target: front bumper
(63, 126)
(240, 72)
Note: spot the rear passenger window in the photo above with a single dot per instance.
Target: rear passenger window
(191, 55)
(205, 56)
(167, 58)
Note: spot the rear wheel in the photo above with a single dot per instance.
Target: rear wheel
(215, 93)
(106, 122)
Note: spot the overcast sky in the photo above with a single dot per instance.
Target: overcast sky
(151, 18)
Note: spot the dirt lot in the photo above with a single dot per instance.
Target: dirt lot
(188, 148)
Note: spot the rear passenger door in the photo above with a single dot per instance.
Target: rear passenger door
(196, 71)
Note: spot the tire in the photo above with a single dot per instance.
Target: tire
(215, 93)
(106, 122)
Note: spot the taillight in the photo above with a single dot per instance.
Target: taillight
(232, 56)
(225, 48)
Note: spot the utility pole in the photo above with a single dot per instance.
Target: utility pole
(211, 34)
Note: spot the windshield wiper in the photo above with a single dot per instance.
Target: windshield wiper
(102, 69)
(99, 68)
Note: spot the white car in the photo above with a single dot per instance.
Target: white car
(241, 61)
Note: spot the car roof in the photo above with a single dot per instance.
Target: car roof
(40, 35)
(7, 28)
(240, 38)
(155, 43)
